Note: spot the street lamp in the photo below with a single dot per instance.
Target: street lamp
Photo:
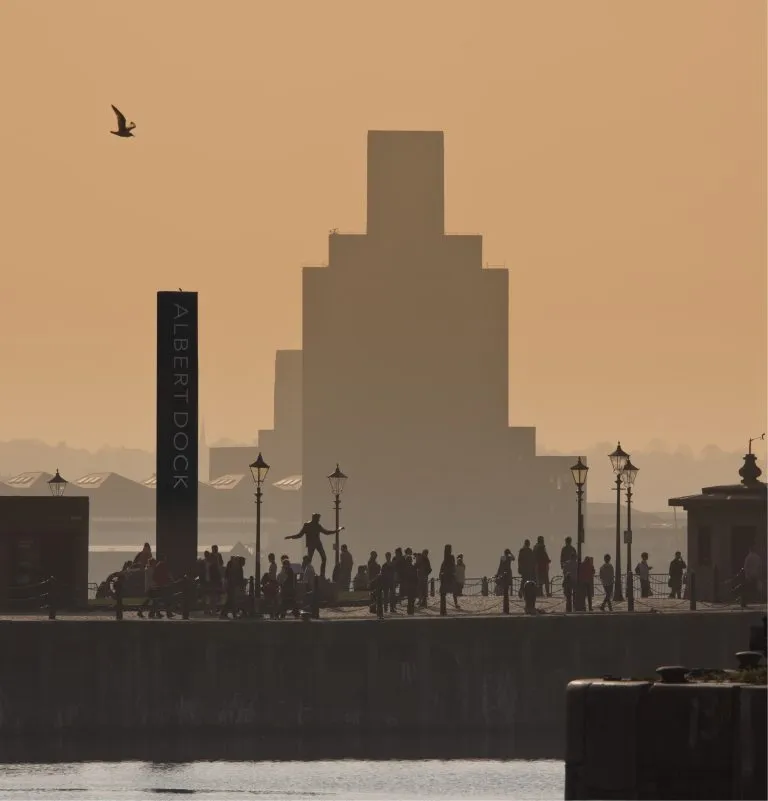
(629, 474)
(57, 485)
(259, 470)
(579, 473)
(337, 480)
(618, 459)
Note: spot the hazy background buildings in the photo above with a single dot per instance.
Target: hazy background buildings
(609, 153)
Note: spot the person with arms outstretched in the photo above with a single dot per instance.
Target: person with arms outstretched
(312, 531)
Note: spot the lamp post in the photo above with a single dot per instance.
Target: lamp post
(618, 458)
(579, 473)
(629, 474)
(57, 485)
(259, 470)
(337, 480)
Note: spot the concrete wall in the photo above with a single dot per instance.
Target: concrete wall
(50, 535)
(506, 675)
(642, 740)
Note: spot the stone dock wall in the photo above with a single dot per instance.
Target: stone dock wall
(503, 676)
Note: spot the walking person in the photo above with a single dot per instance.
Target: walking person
(461, 574)
(287, 580)
(570, 580)
(272, 569)
(526, 565)
(643, 570)
(408, 584)
(149, 589)
(676, 568)
(587, 580)
(387, 579)
(504, 572)
(542, 561)
(606, 579)
(447, 577)
(423, 571)
(398, 563)
(346, 563)
(566, 552)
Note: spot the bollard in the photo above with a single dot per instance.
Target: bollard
(52, 598)
(630, 592)
(715, 585)
(692, 589)
(484, 587)
(186, 593)
(316, 599)
(379, 603)
(505, 608)
(530, 593)
(432, 588)
(443, 605)
(119, 597)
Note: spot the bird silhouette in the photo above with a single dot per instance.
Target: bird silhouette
(122, 128)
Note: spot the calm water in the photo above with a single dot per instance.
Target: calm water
(349, 779)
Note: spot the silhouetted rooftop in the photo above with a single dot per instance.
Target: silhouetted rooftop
(289, 484)
(227, 482)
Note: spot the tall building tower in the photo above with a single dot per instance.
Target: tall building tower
(405, 372)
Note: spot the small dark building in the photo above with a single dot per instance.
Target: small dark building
(723, 523)
(42, 537)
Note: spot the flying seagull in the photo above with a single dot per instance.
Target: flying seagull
(122, 128)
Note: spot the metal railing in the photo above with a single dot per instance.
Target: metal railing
(186, 595)
(43, 594)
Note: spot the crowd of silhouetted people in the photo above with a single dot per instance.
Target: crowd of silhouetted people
(404, 576)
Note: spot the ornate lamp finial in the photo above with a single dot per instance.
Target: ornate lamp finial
(750, 472)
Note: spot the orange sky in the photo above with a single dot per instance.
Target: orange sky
(611, 153)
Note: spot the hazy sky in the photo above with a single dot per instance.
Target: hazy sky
(611, 153)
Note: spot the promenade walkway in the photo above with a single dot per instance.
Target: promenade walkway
(475, 606)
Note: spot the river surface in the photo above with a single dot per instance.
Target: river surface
(416, 780)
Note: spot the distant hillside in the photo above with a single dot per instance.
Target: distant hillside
(663, 473)
(22, 455)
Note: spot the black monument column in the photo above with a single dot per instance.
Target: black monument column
(177, 431)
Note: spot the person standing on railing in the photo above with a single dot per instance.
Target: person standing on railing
(312, 530)
(461, 574)
(676, 569)
(606, 579)
(526, 565)
(542, 560)
(643, 570)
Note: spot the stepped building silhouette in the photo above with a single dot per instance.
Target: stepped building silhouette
(404, 377)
